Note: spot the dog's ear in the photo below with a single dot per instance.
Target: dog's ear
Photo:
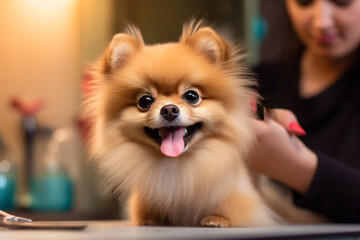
(206, 41)
(121, 48)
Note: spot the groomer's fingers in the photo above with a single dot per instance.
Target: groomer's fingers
(260, 127)
(287, 119)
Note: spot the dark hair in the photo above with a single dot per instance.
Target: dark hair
(293, 46)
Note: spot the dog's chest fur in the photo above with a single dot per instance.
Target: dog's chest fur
(181, 195)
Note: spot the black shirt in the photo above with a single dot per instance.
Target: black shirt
(331, 120)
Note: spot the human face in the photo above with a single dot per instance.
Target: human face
(329, 28)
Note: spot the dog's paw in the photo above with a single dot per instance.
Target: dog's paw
(215, 222)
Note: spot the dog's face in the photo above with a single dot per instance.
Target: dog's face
(170, 97)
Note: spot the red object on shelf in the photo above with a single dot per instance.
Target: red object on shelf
(29, 109)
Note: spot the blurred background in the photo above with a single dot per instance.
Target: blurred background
(45, 46)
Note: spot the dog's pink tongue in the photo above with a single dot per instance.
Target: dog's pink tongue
(172, 144)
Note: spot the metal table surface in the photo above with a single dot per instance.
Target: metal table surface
(108, 230)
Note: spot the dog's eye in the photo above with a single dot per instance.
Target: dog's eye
(145, 101)
(191, 97)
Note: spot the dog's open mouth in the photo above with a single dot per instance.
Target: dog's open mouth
(173, 140)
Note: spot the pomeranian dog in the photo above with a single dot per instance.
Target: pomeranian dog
(172, 127)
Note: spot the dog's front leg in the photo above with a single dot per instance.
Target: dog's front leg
(144, 214)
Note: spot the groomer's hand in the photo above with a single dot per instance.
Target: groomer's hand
(287, 119)
(280, 154)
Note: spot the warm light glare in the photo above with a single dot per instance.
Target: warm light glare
(48, 6)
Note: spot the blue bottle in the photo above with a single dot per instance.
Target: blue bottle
(7, 181)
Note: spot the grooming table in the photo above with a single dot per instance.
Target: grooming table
(106, 230)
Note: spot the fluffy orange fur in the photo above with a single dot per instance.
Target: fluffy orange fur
(208, 184)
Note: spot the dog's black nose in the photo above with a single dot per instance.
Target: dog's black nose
(170, 112)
